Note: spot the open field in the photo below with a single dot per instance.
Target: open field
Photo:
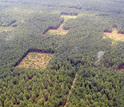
(58, 31)
(35, 60)
(5, 29)
(114, 35)
(67, 17)
(113, 43)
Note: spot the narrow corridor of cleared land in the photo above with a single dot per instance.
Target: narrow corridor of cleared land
(71, 90)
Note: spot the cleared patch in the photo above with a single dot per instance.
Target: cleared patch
(21, 10)
(67, 100)
(114, 35)
(6, 29)
(58, 31)
(35, 60)
(67, 17)
(104, 37)
(113, 43)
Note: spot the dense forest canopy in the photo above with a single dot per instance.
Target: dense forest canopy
(83, 67)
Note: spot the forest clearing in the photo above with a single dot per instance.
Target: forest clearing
(6, 29)
(35, 60)
(67, 17)
(71, 89)
(114, 35)
(113, 43)
(60, 30)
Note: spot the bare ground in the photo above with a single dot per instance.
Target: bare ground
(67, 17)
(35, 60)
(59, 31)
(70, 90)
(114, 35)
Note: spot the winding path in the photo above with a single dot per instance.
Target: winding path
(70, 90)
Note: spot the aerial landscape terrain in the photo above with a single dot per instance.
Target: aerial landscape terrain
(61, 53)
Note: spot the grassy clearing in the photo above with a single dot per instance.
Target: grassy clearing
(113, 43)
(59, 31)
(6, 29)
(67, 17)
(35, 60)
(104, 37)
(114, 35)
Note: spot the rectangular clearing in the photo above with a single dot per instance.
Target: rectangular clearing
(35, 60)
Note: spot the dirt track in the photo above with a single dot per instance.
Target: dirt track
(70, 90)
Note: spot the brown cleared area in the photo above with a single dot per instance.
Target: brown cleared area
(58, 31)
(35, 60)
(67, 100)
(67, 17)
(113, 43)
(6, 29)
(114, 35)
(104, 37)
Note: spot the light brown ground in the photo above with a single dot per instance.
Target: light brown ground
(114, 35)
(35, 60)
(104, 37)
(67, 17)
(113, 43)
(59, 31)
(5, 29)
(70, 90)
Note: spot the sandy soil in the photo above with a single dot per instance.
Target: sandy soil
(35, 60)
(113, 43)
(59, 31)
(70, 90)
(67, 17)
(104, 37)
(6, 29)
(114, 35)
